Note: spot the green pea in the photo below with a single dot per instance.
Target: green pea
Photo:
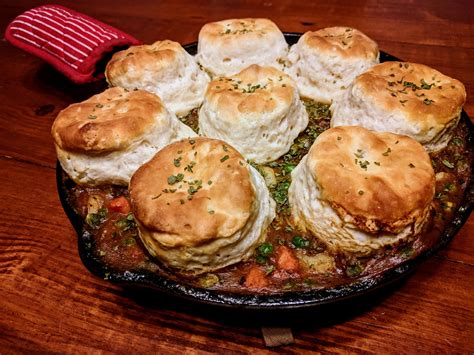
(265, 249)
(300, 242)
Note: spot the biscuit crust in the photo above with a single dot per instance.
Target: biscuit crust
(403, 98)
(229, 46)
(325, 62)
(109, 121)
(212, 199)
(163, 68)
(253, 92)
(258, 111)
(424, 95)
(378, 181)
(345, 42)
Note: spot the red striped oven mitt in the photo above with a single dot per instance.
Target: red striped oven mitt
(71, 42)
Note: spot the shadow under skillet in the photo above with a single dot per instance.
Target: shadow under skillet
(298, 318)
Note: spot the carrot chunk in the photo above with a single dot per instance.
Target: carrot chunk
(256, 278)
(286, 260)
(120, 205)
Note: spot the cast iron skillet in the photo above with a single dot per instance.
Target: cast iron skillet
(286, 300)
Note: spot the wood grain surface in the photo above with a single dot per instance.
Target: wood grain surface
(50, 302)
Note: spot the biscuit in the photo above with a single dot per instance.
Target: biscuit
(105, 138)
(403, 98)
(163, 68)
(258, 111)
(199, 206)
(323, 63)
(229, 46)
(358, 191)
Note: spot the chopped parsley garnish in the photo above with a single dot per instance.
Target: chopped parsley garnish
(387, 152)
(129, 241)
(94, 220)
(177, 162)
(224, 158)
(288, 168)
(92, 117)
(354, 270)
(280, 194)
(406, 252)
(457, 141)
(173, 179)
(411, 165)
(125, 223)
(190, 166)
(428, 101)
(364, 164)
(449, 187)
(360, 192)
(448, 164)
(425, 85)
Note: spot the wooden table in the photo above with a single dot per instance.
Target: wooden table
(48, 300)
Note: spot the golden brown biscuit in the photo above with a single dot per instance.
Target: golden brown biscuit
(404, 98)
(324, 62)
(359, 190)
(105, 138)
(163, 68)
(229, 46)
(258, 111)
(200, 206)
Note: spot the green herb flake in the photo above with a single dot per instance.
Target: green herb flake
(387, 152)
(364, 164)
(457, 141)
(172, 180)
(125, 223)
(425, 85)
(260, 259)
(224, 158)
(94, 220)
(449, 187)
(428, 101)
(407, 252)
(210, 211)
(129, 242)
(360, 192)
(411, 165)
(269, 269)
(448, 164)
(288, 168)
(354, 270)
(177, 162)
(92, 117)
(377, 163)
(209, 182)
